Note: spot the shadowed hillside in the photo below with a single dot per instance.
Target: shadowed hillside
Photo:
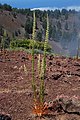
(64, 26)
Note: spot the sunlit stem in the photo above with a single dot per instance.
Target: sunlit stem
(33, 38)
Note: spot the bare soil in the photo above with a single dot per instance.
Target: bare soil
(16, 95)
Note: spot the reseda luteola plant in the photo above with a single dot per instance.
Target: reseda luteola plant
(39, 104)
(33, 38)
(43, 68)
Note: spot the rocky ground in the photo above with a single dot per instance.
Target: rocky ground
(62, 84)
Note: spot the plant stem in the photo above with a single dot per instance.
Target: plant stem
(46, 43)
(42, 82)
(33, 37)
(43, 69)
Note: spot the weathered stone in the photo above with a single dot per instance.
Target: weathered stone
(77, 64)
(56, 75)
(4, 117)
(50, 63)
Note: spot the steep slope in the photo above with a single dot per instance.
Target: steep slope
(12, 23)
(64, 27)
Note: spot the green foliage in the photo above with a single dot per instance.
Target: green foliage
(42, 82)
(33, 38)
(57, 14)
(66, 26)
(26, 12)
(39, 65)
(6, 7)
(53, 32)
(28, 44)
(28, 26)
(14, 14)
(46, 42)
(57, 22)
(39, 35)
(4, 40)
(16, 33)
(64, 12)
(66, 35)
(43, 65)
(44, 23)
(1, 30)
(66, 16)
(78, 48)
(58, 25)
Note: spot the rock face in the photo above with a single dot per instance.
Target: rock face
(70, 105)
(64, 108)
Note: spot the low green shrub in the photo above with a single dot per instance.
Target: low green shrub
(28, 44)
